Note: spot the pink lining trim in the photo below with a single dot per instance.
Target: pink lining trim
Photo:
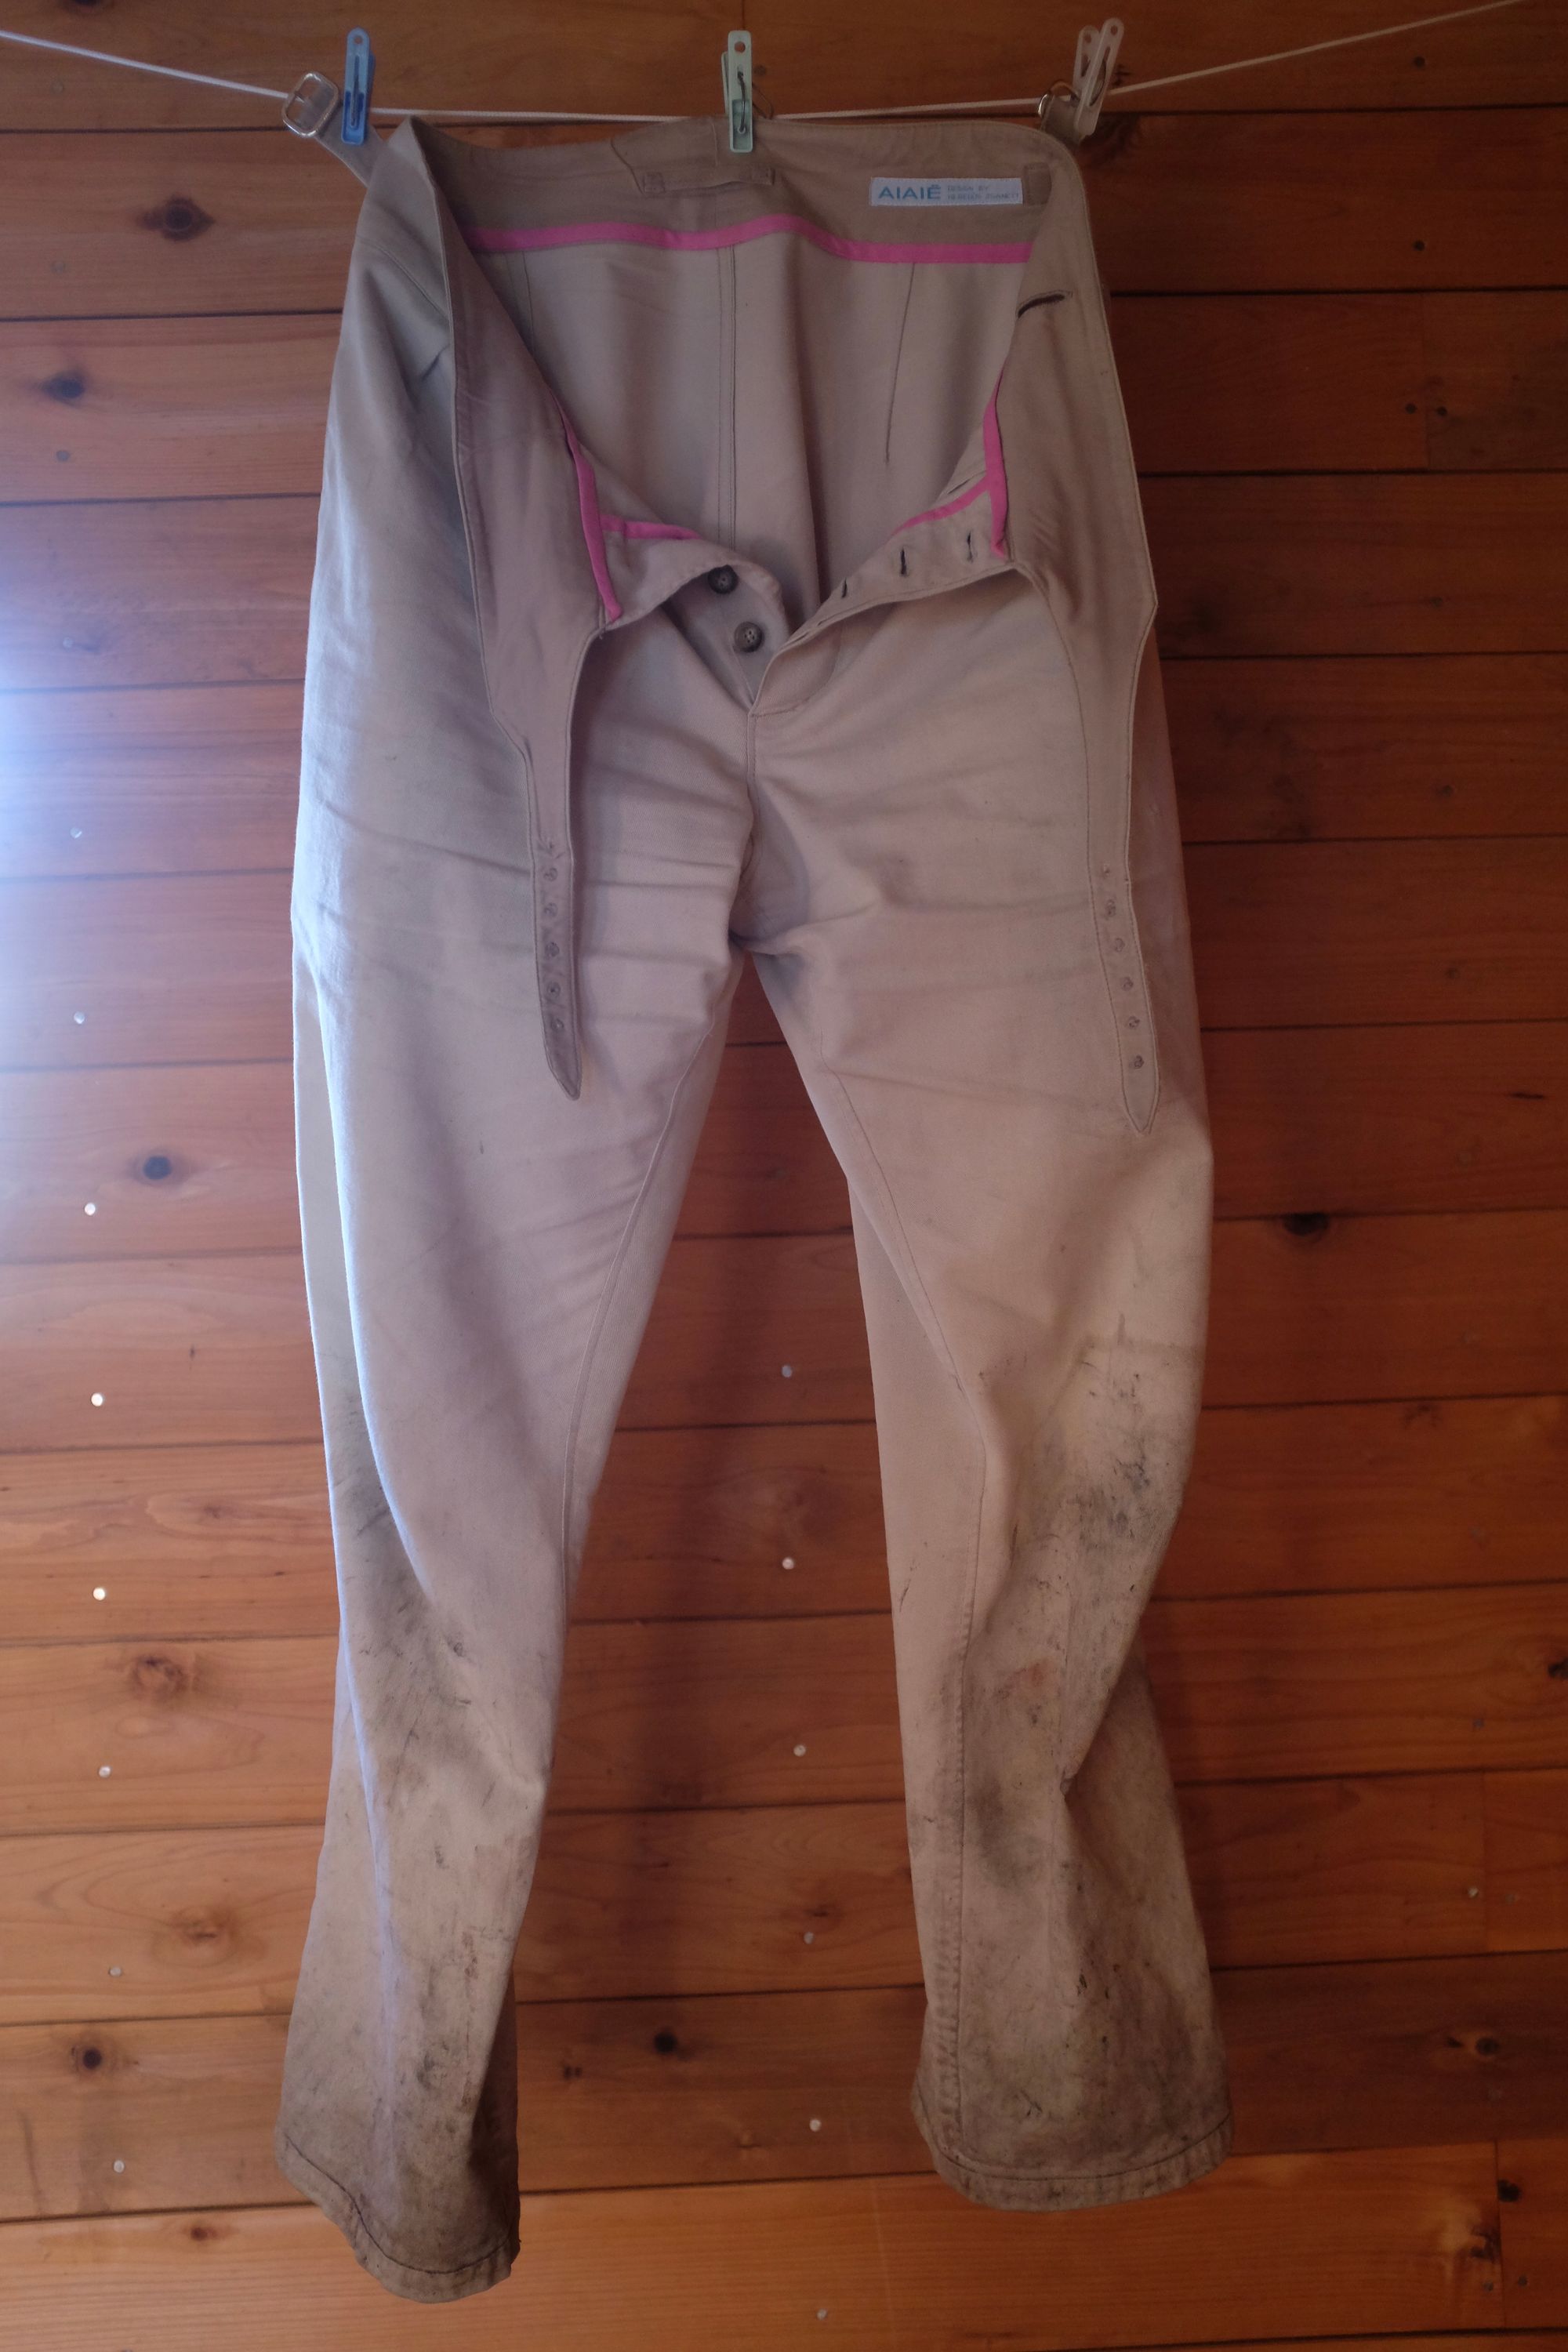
(995, 475)
(628, 528)
(593, 521)
(954, 506)
(710, 240)
(993, 482)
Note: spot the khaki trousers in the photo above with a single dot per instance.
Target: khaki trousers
(727, 554)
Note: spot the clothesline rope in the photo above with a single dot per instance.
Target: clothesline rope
(833, 114)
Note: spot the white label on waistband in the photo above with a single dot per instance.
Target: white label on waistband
(912, 193)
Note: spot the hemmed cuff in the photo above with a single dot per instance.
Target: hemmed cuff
(1061, 2192)
(406, 2279)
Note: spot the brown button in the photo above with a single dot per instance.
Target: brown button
(724, 579)
(748, 637)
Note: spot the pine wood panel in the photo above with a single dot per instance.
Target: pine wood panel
(172, 1160)
(1335, 563)
(155, 593)
(161, 780)
(804, 2086)
(161, 970)
(196, 968)
(1361, 1121)
(792, 1711)
(1496, 390)
(660, 59)
(219, 1541)
(216, 1350)
(1276, 749)
(1238, 384)
(156, 222)
(1532, 2225)
(164, 408)
(140, 1924)
(896, 2266)
(177, 780)
(199, 590)
(1427, 1492)
(654, 58)
(870, 58)
(1270, 200)
(1320, 932)
(1351, 1308)
(1377, 1118)
(1527, 1848)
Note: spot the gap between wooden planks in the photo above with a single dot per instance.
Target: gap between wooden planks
(151, 408)
(184, 223)
(876, 2265)
(190, 592)
(217, 1350)
(782, 2085)
(775, 1522)
(741, 1712)
(138, 1924)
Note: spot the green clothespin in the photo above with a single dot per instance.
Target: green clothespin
(738, 91)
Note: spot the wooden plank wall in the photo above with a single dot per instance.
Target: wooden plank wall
(1339, 311)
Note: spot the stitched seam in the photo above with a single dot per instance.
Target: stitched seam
(1124, 879)
(431, 301)
(423, 2270)
(606, 1300)
(1127, 2172)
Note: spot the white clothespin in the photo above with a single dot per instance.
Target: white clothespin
(1072, 112)
(737, 69)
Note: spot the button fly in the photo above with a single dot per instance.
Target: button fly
(748, 637)
(723, 579)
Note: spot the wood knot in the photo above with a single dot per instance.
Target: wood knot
(1307, 1224)
(667, 2043)
(87, 2057)
(179, 218)
(204, 1931)
(156, 1166)
(159, 1677)
(66, 384)
(1112, 135)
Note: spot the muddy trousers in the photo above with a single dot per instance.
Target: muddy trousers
(617, 676)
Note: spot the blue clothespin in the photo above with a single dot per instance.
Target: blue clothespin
(359, 73)
(738, 91)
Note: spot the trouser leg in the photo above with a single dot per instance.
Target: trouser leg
(481, 1254)
(1035, 1268)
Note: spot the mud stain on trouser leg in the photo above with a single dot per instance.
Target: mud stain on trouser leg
(1086, 2039)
